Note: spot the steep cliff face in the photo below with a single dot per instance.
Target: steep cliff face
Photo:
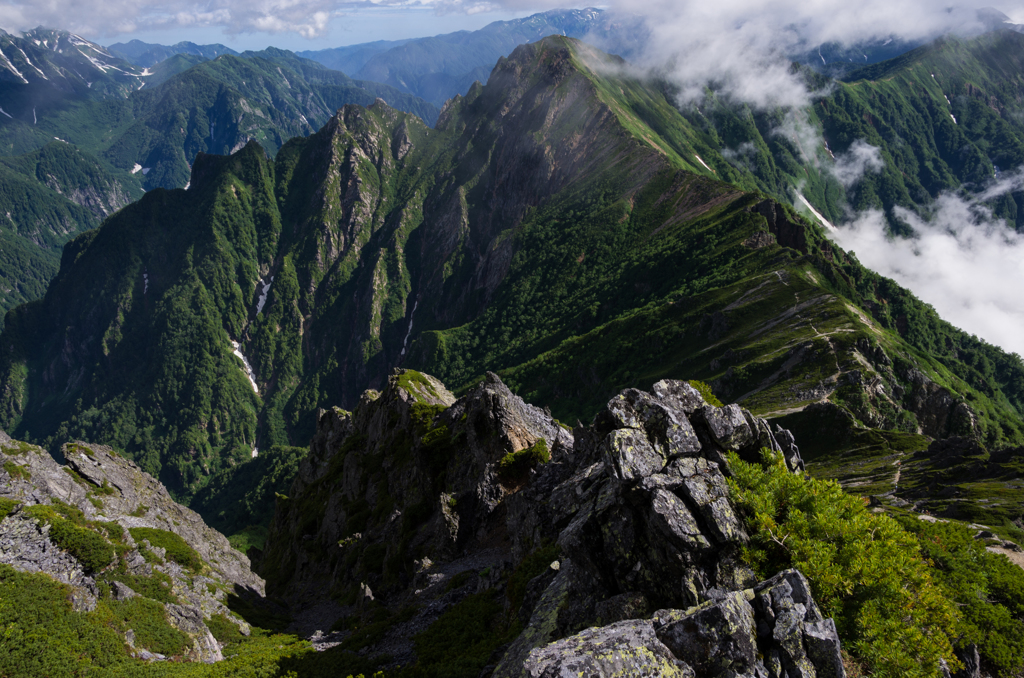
(414, 494)
(112, 533)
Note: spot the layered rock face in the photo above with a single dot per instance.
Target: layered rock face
(104, 500)
(648, 578)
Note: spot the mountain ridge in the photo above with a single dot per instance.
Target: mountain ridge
(523, 228)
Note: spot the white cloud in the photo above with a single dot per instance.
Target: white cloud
(308, 18)
(740, 43)
(861, 157)
(963, 261)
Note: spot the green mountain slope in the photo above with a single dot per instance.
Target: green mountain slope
(211, 106)
(944, 116)
(96, 144)
(47, 198)
(558, 226)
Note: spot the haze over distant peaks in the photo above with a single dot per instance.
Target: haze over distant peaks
(149, 54)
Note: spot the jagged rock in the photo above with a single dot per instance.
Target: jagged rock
(626, 648)
(679, 395)
(714, 639)
(629, 605)
(772, 630)
(704, 486)
(727, 426)
(190, 620)
(637, 503)
(938, 411)
(351, 464)
(787, 445)
(821, 640)
(670, 515)
(119, 591)
(630, 456)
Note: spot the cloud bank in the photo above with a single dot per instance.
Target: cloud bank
(963, 261)
(723, 40)
(308, 18)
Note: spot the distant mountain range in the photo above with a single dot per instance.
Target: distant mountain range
(439, 67)
(150, 54)
(83, 132)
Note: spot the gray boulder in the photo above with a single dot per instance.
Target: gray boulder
(626, 648)
(630, 456)
(727, 426)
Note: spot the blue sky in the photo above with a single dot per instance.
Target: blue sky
(353, 26)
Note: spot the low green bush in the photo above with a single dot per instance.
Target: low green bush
(865, 570)
(514, 467)
(986, 587)
(7, 506)
(223, 629)
(148, 620)
(41, 636)
(177, 549)
(531, 566)
(156, 586)
(17, 471)
(72, 532)
(461, 641)
(705, 392)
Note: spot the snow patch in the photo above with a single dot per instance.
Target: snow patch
(187, 185)
(59, 139)
(409, 332)
(263, 295)
(825, 222)
(136, 168)
(954, 119)
(248, 368)
(34, 121)
(255, 452)
(6, 113)
(145, 73)
(701, 161)
(12, 68)
(947, 99)
(29, 62)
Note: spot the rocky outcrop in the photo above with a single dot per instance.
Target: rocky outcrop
(103, 496)
(637, 505)
(411, 473)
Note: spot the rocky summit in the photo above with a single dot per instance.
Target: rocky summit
(616, 544)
